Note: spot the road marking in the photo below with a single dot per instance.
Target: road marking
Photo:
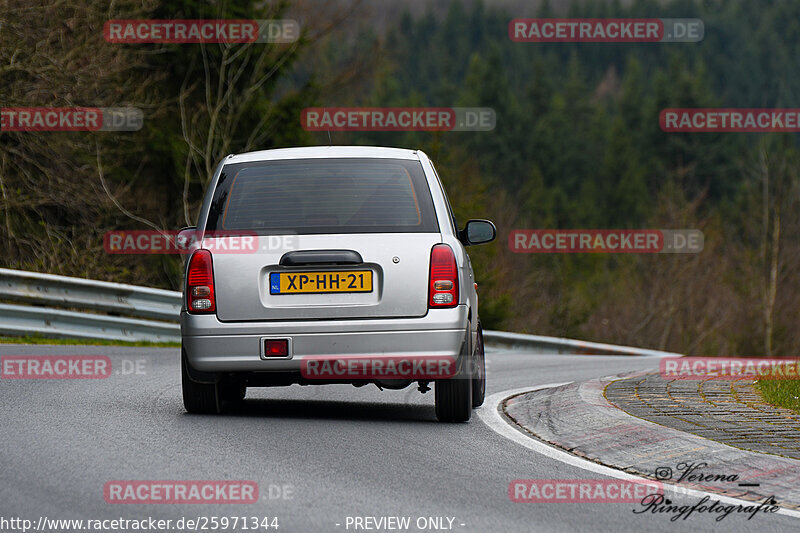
(490, 414)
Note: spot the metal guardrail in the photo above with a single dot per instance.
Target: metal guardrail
(124, 301)
(46, 290)
(134, 300)
(47, 322)
(542, 344)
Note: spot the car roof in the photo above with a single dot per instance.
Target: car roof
(312, 152)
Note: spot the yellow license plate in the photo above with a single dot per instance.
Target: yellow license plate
(320, 282)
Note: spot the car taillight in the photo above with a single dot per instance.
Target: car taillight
(200, 283)
(443, 280)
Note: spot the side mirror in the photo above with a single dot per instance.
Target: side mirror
(478, 231)
(186, 240)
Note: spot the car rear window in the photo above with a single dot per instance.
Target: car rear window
(307, 196)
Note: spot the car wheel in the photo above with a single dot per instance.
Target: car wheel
(479, 371)
(454, 395)
(199, 398)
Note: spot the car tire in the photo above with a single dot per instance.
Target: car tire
(199, 398)
(479, 371)
(454, 395)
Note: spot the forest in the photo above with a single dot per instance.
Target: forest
(577, 145)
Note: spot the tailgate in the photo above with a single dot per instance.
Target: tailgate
(392, 280)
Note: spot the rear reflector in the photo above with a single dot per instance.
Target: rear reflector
(276, 348)
(443, 279)
(200, 283)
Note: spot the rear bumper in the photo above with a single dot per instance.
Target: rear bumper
(214, 346)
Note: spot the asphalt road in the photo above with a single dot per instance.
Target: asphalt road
(343, 452)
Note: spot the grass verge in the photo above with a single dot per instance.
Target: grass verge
(780, 392)
(35, 339)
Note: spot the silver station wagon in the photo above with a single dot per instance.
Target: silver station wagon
(332, 264)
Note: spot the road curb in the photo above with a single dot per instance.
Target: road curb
(576, 417)
(727, 411)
